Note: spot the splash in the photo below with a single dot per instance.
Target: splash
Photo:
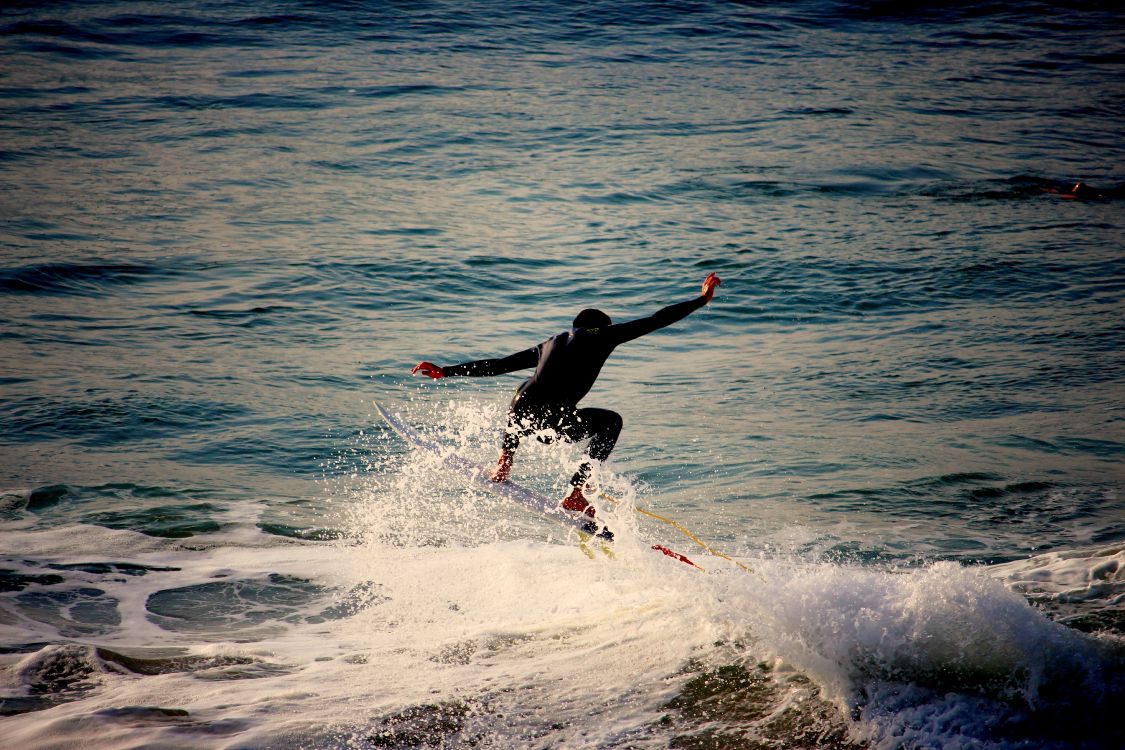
(938, 654)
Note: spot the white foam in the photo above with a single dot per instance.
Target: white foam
(539, 618)
(1094, 576)
(926, 655)
(76, 540)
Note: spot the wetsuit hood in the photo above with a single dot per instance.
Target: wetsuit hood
(591, 318)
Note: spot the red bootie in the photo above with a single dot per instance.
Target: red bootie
(577, 502)
(503, 468)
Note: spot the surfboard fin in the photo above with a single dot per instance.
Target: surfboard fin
(584, 540)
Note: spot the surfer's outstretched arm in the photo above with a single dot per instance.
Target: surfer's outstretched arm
(623, 332)
(482, 367)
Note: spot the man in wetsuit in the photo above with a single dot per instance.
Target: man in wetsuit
(566, 367)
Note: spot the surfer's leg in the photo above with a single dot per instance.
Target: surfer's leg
(503, 466)
(507, 450)
(603, 427)
(520, 425)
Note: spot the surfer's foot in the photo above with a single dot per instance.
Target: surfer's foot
(503, 468)
(578, 503)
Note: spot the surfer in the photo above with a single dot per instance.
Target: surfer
(566, 367)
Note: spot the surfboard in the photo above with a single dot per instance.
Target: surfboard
(516, 493)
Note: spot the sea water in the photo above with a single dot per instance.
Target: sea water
(228, 228)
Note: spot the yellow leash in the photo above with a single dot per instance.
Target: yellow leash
(679, 527)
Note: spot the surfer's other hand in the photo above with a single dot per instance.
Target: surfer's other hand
(429, 369)
(709, 285)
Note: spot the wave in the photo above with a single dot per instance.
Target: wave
(113, 419)
(78, 279)
(548, 644)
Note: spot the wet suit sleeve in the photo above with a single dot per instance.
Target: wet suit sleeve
(488, 367)
(623, 332)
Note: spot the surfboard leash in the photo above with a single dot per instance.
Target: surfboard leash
(682, 529)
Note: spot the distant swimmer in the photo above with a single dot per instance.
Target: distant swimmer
(566, 367)
(1082, 191)
(1077, 190)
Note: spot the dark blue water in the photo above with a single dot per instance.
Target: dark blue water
(227, 228)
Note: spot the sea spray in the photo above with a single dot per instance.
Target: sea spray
(894, 648)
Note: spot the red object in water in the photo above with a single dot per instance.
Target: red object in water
(674, 555)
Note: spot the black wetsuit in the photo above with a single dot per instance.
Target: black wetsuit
(566, 367)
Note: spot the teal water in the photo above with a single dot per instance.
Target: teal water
(227, 229)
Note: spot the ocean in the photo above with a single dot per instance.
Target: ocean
(228, 230)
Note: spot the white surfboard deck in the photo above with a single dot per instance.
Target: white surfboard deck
(479, 475)
(528, 498)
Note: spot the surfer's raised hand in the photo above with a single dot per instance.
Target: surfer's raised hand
(429, 369)
(709, 285)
